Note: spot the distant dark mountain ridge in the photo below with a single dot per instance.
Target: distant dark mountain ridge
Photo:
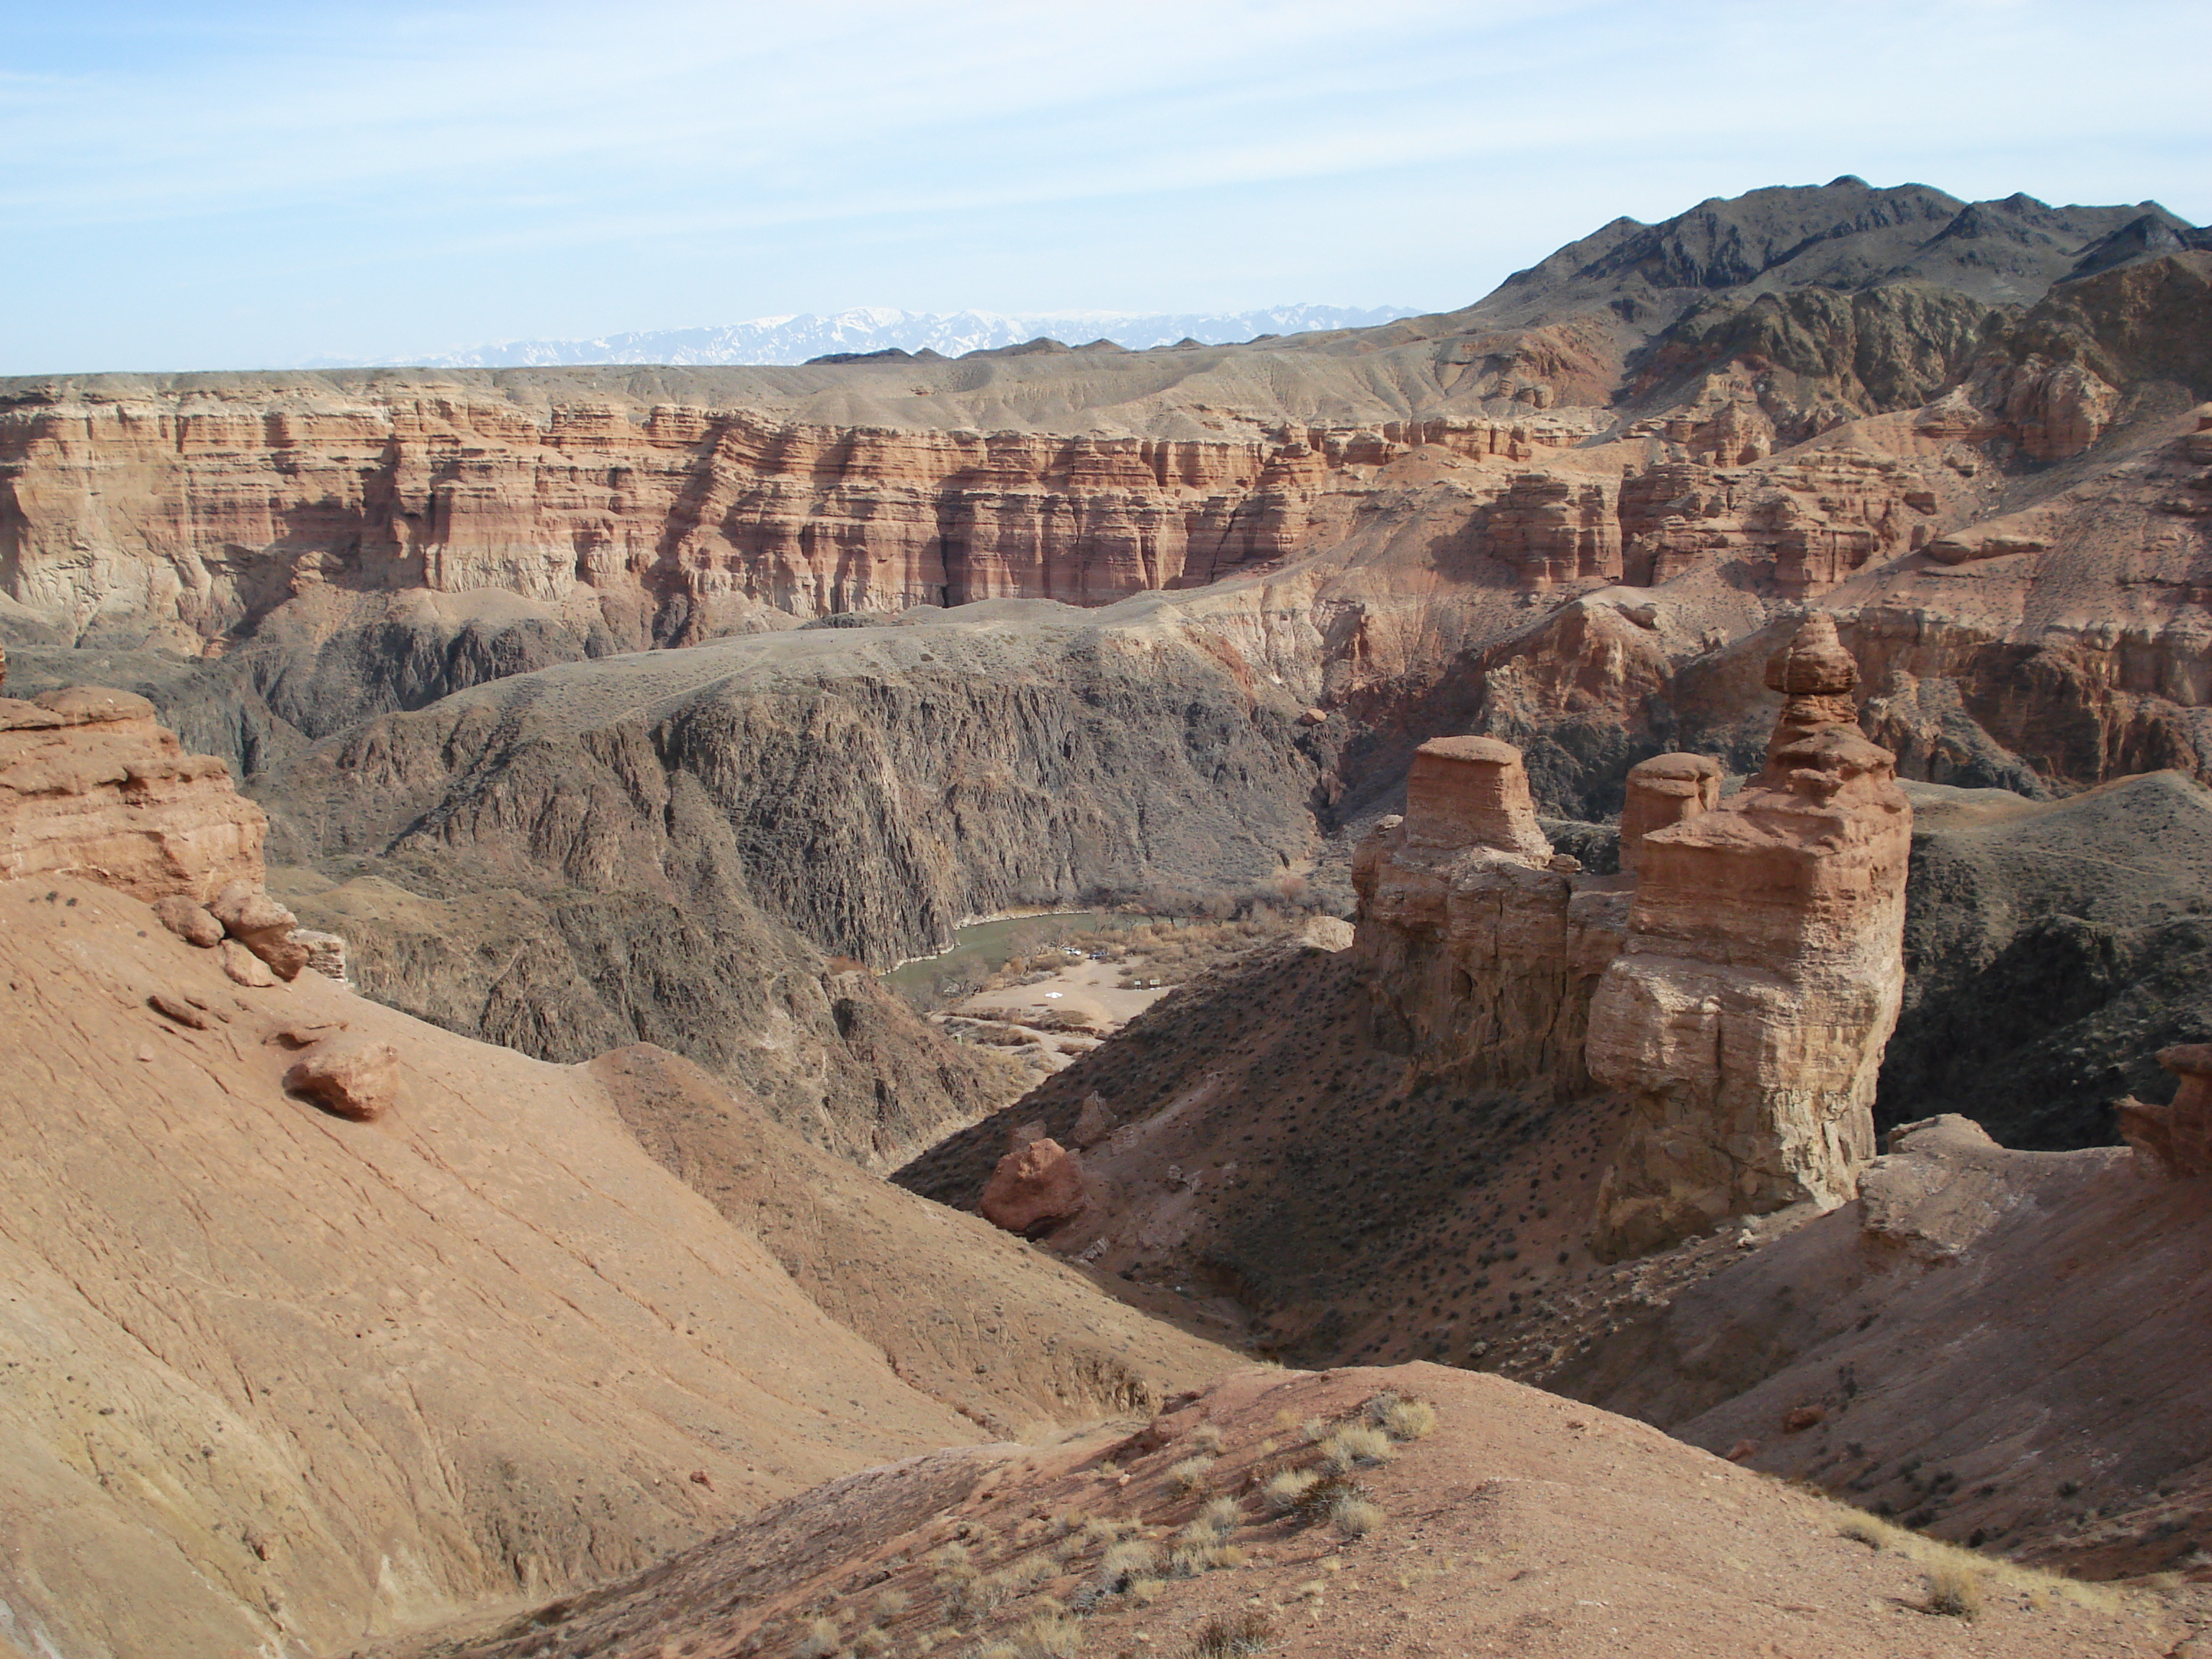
(1845, 235)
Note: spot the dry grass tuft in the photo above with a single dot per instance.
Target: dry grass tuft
(1206, 1439)
(1355, 1448)
(819, 1642)
(1408, 1419)
(1050, 1635)
(1222, 1515)
(1236, 1637)
(1969, 1573)
(1189, 1475)
(1954, 1590)
(1285, 1491)
(888, 1606)
(1321, 1498)
(1355, 1517)
(1127, 1560)
(1190, 1561)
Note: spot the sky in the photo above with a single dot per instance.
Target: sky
(193, 186)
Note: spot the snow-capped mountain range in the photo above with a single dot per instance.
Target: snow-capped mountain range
(794, 339)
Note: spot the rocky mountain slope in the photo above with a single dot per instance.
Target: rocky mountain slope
(324, 1323)
(2052, 950)
(1996, 1347)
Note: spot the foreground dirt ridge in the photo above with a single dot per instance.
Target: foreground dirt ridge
(1412, 1509)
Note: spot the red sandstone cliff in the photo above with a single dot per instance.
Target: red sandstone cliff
(1733, 991)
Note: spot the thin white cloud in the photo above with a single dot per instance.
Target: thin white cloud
(425, 166)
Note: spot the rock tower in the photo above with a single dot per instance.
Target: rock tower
(1736, 984)
(1745, 1014)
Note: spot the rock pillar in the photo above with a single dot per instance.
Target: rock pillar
(1746, 1013)
(1663, 790)
(1480, 957)
(1473, 792)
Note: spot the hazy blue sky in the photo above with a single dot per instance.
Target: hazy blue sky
(193, 186)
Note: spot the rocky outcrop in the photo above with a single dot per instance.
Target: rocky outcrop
(1663, 791)
(1814, 519)
(264, 926)
(195, 924)
(1483, 954)
(2177, 1137)
(1735, 988)
(90, 785)
(1762, 973)
(1552, 530)
(1472, 793)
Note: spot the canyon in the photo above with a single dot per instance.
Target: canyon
(1745, 681)
(1574, 517)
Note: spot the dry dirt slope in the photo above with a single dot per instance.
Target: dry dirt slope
(1523, 1524)
(1008, 1334)
(272, 1381)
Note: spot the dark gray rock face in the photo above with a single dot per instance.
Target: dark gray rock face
(2051, 949)
(1845, 235)
(660, 847)
(872, 788)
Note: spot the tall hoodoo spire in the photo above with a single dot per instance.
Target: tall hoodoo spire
(1745, 1015)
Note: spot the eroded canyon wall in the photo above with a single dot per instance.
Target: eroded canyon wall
(661, 846)
(188, 518)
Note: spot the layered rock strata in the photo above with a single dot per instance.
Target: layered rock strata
(92, 787)
(1484, 954)
(1736, 989)
(1745, 1014)
(667, 522)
